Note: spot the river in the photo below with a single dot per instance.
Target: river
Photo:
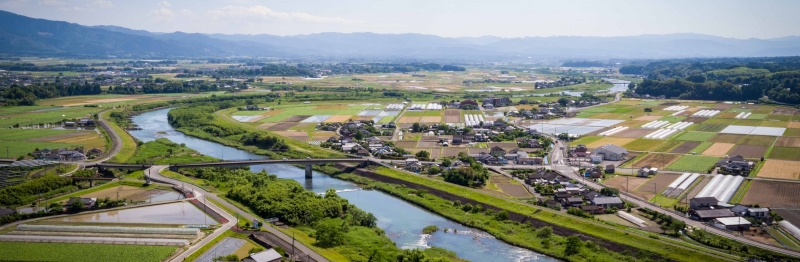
(402, 221)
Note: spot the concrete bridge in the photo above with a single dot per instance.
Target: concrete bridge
(240, 163)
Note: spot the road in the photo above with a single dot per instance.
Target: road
(155, 174)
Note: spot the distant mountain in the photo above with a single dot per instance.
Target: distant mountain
(20, 35)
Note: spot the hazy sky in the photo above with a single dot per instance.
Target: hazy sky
(449, 18)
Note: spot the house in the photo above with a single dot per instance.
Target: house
(530, 161)
(608, 202)
(252, 107)
(590, 195)
(86, 122)
(54, 157)
(497, 151)
(572, 201)
(75, 157)
(94, 152)
(333, 139)
(349, 146)
(69, 123)
(732, 223)
(594, 209)
(759, 213)
(373, 140)
(87, 202)
(709, 214)
(481, 138)
(362, 152)
(735, 165)
(611, 152)
(269, 255)
(610, 169)
(581, 151)
(413, 166)
(703, 202)
(531, 143)
(739, 210)
(552, 204)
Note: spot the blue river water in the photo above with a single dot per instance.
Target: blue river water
(403, 222)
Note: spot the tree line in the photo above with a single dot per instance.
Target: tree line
(27, 96)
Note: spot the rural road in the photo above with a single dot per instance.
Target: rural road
(155, 174)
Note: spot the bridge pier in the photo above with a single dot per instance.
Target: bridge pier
(173, 169)
(308, 171)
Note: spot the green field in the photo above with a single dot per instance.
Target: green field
(643, 144)
(18, 251)
(32, 115)
(785, 153)
(308, 110)
(792, 132)
(672, 119)
(587, 140)
(700, 164)
(739, 110)
(414, 113)
(763, 116)
(667, 146)
(128, 144)
(163, 151)
(702, 147)
(696, 136)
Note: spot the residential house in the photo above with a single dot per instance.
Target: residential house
(611, 152)
(735, 165)
(608, 202)
(7, 212)
(497, 151)
(68, 124)
(590, 195)
(739, 210)
(758, 213)
(362, 152)
(710, 214)
(88, 203)
(581, 151)
(86, 122)
(645, 171)
(703, 202)
(552, 204)
(468, 103)
(572, 201)
(479, 137)
(531, 143)
(373, 140)
(610, 169)
(530, 161)
(94, 152)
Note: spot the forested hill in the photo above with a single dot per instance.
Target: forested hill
(721, 79)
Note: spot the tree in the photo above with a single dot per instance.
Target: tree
(563, 101)
(415, 128)
(573, 246)
(502, 215)
(423, 155)
(359, 135)
(446, 162)
(76, 205)
(330, 232)
(544, 232)
(434, 170)
(631, 86)
(411, 255)
(647, 109)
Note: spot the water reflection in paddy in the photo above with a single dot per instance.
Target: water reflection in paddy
(174, 213)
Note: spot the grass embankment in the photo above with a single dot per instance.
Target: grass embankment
(509, 235)
(128, 148)
(102, 187)
(20, 251)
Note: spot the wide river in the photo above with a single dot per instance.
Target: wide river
(402, 221)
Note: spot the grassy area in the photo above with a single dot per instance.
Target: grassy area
(782, 238)
(741, 191)
(164, 151)
(696, 136)
(522, 236)
(128, 144)
(199, 252)
(100, 187)
(643, 144)
(20, 251)
(702, 147)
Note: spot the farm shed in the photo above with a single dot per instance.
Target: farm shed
(703, 202)
(732, 223)
(608, 202)
(709, 214)
(611, 152)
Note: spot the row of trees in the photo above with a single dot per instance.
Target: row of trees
(27, 96)
(31, 190)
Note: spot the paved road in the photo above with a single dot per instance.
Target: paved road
(154, 173)
(116, 140)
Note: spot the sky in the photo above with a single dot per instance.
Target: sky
(447, 18)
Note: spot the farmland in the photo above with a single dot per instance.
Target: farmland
(656, 160)
(625, 183)
(688, 163)
(773, 194)
(20, 251)
(785, 153)
(780, 169)
(655, 185)
(609, 140)
(643, 144)
(20, 142)
(696, 136)
(710, 127)
(685, 147)
(718, 149)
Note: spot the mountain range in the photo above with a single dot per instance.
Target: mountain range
(21, 35)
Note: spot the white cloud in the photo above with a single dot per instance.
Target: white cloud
(162, 14)
(102, 3)
(165, 4)
(52, 2)
(262, 12)
(12, 3)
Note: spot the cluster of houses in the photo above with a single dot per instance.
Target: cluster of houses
(374, 146)
(459, 104)
(255, 108)
(721, 215)
(735, 165)
(499, 156)
(492, 102)
(64, 154)
(81, 122)
(569, 195)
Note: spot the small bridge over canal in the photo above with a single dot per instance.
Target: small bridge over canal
(307, 162)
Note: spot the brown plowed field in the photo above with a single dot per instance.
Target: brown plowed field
(408, 119)
(435, 153)
(686, 147)
(476, 150)
(619, 182)
(726, 138)
(507, 186)
(780, 169)
(723, 106)
(758, 140)
(430, 144)
(748, 151)
(452, 116)
(633, 133)
(282, 126)
(659, 161)
(429, 138)
(295, 118)
(718, 149)
(659, 183)
(793, 125)
(504, 145)
(266, 126)
(339, 118)
(791, 215)
(453, 151)
(647, 118)
(406, 144)
(431, 119)
(783, 111)
(788, 142)
(773, 194)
